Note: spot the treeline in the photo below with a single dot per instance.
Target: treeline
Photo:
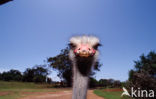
(37, 74)
(93, 83)
(105, 83)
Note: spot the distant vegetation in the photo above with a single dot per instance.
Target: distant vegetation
(37, 74)
(105, 83)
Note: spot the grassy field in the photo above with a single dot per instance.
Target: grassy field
(110, 94)
(14, 90)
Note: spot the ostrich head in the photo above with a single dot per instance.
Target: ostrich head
(84, 46)
(83, 52)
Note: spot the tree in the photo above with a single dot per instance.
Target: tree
(117, 84)
(103, 83)
(62, 64)
(14, 75)
(28, 75)
(109, 83)
(49, 80)
(143, 76)
(93, 82)
(36, 74)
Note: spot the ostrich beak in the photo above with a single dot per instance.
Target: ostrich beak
(84, 54)
(84, 50)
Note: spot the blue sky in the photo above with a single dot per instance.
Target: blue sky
(32, 30)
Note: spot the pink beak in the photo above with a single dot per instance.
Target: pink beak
(84, 50)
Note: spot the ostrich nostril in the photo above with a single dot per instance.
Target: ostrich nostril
(83, 50)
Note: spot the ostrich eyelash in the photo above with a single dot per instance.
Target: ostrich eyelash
(96, 46)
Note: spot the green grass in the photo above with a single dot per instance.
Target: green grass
(18, 85)
(15, 90)
(110, 95)
(15, 85)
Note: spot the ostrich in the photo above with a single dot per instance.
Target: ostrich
(83, 54)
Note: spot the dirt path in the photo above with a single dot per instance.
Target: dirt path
(60, 95)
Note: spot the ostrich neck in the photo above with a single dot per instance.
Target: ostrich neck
(81, 70)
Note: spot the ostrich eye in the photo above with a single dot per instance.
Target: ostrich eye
(71, 45)
(96, 46)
